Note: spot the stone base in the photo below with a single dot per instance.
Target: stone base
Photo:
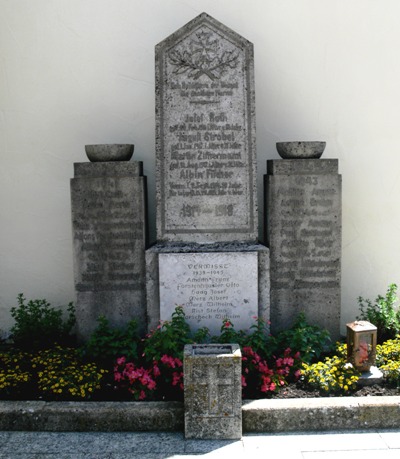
(119, 308)
(303, 232)
(213, 392)
(210, 288)
(109, 230)
(371, 377)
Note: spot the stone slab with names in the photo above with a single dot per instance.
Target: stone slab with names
(303, 230)
(211, 287)
(108, 202)
(168, 264)
(205, 135)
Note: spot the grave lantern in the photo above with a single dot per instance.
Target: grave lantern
(361, 344)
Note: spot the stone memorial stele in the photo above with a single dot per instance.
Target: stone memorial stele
(205, 135)
(207, 258)
(109, 239)
(213, 391)
(303, 233)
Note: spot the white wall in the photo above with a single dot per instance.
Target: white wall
(74, 72)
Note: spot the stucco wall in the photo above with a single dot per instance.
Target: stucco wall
(74, 72)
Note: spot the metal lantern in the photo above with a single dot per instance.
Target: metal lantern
(361, 344)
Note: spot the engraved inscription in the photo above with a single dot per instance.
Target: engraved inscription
(210, 287)
(108, 237)
(307, 232)
(205, 152)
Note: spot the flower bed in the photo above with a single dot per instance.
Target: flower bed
(118, 364)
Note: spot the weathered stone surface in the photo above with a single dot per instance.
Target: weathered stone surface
(205, 139)
(109, 236)
(371, 377)
(290, 415)
(211, 287)
(212, 382)
(91, 416)
(244, 280)
(321, 414)
(303, 230)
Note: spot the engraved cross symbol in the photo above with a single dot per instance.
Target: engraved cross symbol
(213, 383)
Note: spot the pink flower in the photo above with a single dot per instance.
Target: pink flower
(156, 371)
(288, 361)
(176, 378)
(167, 360)
(244, 384)
(142, 395)
(121, 360)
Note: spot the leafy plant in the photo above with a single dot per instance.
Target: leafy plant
(169, 337)
(334, 374)
(157, 380)
(310, 340)
(106, 344)
(384, 313)
(388, 360)
(62, 375)
(260, 376)
(15, 373)
(228, 334)
(39, 326)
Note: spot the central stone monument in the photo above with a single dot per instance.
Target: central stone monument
(207, 257)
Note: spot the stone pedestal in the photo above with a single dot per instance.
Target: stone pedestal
(212, 282)
(207, 257)
(213, 400)
(109, 236)
(303, 232)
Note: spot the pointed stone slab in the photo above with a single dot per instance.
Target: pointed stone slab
(205, 135)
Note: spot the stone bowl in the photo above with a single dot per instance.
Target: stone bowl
(109, 152)
(300, 150)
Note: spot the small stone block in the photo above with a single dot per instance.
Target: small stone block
(371, 377)
(213, 393)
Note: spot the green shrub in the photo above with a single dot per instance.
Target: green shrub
(62, 375)
(106, 344)
(384, 314)
(228, 334)
(334, 374)
(15, 374)
(310, 340)
(168, 338)
(388, 360)
(39, 326)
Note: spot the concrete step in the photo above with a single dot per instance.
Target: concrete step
(263, 416)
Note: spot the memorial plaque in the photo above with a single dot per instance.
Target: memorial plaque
(109, 236)
(211, 287)
(303, 206)
(205, 140)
